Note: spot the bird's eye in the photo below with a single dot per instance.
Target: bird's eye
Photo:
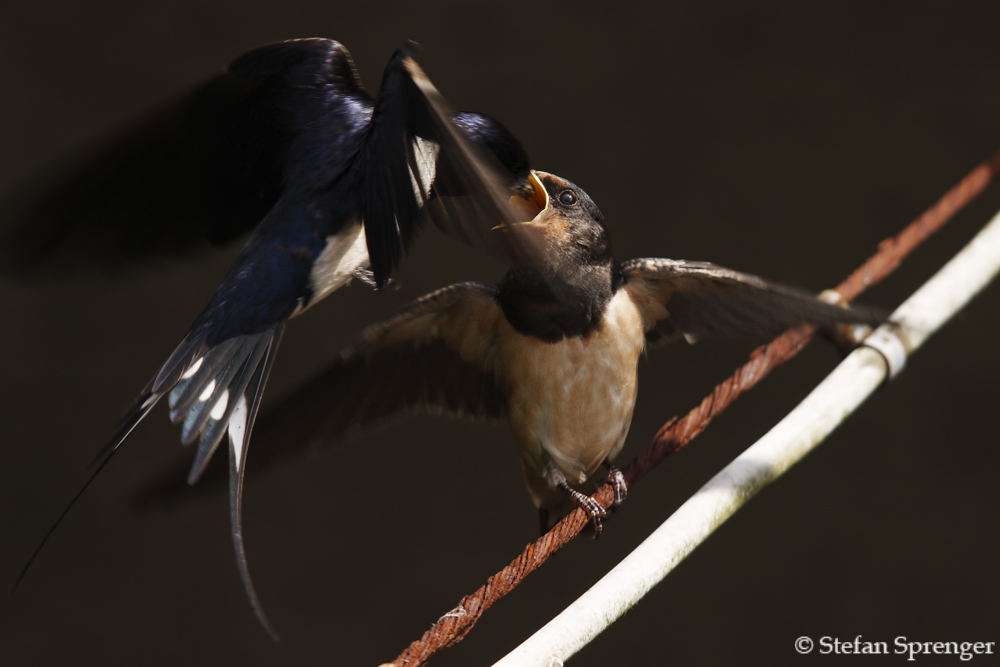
(567, 198)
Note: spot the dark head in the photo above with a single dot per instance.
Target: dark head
(564, 272)
(566, 234)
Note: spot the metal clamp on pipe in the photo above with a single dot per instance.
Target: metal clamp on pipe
(886, 342)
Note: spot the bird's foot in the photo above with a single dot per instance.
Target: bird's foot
(367, 276)
(588, 505)
(617, 481)
(557, 480)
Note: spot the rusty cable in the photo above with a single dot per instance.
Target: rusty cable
(676, 433)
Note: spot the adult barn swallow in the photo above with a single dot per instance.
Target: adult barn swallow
(334, 182)
(554, 348)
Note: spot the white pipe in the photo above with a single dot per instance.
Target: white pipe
(830, 403)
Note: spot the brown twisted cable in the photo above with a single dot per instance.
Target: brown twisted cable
(453, 626)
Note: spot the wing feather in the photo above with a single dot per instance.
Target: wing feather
(433, 356)
(474, 158)
(696, 299)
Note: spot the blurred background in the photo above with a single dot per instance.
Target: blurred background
(780, 139)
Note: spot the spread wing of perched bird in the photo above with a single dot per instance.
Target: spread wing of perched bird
(334, 184)
(553, 349)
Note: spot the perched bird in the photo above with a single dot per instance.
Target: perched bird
(554, 348)
(334, 183)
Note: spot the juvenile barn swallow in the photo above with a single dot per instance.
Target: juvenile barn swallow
(285, 142)
(554, 348)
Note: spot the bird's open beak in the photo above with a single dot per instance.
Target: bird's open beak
(529, 210)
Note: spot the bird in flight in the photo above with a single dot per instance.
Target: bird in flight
(553, 349)
(333, 183)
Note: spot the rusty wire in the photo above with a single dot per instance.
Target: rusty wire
(454, 625)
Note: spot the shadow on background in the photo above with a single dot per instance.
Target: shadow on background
(781, 141)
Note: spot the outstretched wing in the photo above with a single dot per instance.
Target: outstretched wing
(204, 168)
(694, 299)
(433, 356)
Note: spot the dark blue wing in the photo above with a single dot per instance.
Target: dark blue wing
(205, 168)
(417, 150)
(286, 138)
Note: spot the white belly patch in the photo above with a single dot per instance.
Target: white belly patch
(345, 251)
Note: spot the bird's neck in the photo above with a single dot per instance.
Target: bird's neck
(551, 306)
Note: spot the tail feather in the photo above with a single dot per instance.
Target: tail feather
(218, 421)
(213, 390)
(179, 363)
(140, 408)
(202, 374)
(240, 426)
(215, 398)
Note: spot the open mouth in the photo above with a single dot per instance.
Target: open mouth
(528, 210)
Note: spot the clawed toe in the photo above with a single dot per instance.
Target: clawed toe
(617, 481)
(588, 505)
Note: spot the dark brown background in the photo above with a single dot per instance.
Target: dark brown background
(786, 142)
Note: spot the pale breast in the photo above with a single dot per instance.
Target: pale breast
(573, 399)
(345, 251)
